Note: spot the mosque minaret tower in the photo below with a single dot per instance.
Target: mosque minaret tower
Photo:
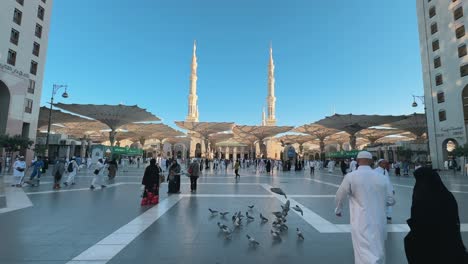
(271, 99)
(192, 115)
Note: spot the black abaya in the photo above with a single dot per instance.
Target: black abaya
(435, 225)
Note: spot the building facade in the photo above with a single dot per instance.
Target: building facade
(444, 60)
(24, 31)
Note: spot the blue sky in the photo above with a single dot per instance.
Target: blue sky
(352, 56)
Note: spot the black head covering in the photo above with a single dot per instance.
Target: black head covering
(152, 162)
(435, 225)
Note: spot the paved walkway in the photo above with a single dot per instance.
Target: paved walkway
(78, 225)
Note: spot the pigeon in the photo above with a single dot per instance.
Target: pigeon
(278, 214)
(252, 240)
(283, 227)
(251, 206)
(239, 215)
(287, 205)
(222, 226)
(234, 216)
(275, 234)
(278, 191)
(299, 234)
(297, 208)
(223, 214)
(238, 222)
(213, 212)
(264, 219)
(227, 232)
(249, 218)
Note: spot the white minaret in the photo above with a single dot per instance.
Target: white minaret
(192, 115)
(263, 117)
(271, 99)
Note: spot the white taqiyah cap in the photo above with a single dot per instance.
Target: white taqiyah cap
(364, 155)
(380, 160)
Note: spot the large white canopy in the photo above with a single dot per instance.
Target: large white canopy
(113, 116)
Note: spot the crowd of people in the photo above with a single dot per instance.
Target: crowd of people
(434, 223)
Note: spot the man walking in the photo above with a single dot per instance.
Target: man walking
(37, 170)
(382, 169)
(194, 174)
(19, 168)
(368, 195)
(72, 169)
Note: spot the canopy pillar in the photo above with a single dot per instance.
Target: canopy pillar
(112, 135)
(352, 141)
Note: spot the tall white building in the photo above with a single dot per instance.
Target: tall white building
(24, 31)
(444, 60)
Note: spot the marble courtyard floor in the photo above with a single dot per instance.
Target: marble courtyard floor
(77, 225)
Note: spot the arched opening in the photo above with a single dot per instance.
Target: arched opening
(4, 106)
(198, 150)
(447, 147)
(317, 156)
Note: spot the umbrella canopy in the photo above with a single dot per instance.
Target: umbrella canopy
(114, 116)
(318, 131)
(373, 134)
(79, 129)
(299, 139)
(204, 129)
(415, 123)
(261, 132)
(57, 117)
(354, 123)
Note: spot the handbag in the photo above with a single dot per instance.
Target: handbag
(162, 178)
(96, 172)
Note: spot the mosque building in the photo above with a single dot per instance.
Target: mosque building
(444, 60)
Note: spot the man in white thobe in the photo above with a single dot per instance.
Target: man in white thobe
(382, 169)
(19, 168)
(331, 166)
(353, 165)
(368, 195)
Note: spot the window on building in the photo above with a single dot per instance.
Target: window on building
(36, 48)
(28, 104)
(460, 31)
(458, 13)
(463, 70)
(33, 69)
(17, 15)
(435, 45)
(440, 97)
(462, 50)
(433, 28)
(32, 86)
(437, 62)
(438, 79)
(38, 31)
(442, 115)
(432, 11)
(11, 57)
(14, 36)
(21, 2)
(25, 130)
(40, 12)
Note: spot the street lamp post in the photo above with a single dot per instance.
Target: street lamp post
(415, 104)
(55, 89)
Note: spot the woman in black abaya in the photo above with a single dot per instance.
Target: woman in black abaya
(435, 225)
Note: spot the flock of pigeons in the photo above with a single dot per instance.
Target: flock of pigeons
(278, 225)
